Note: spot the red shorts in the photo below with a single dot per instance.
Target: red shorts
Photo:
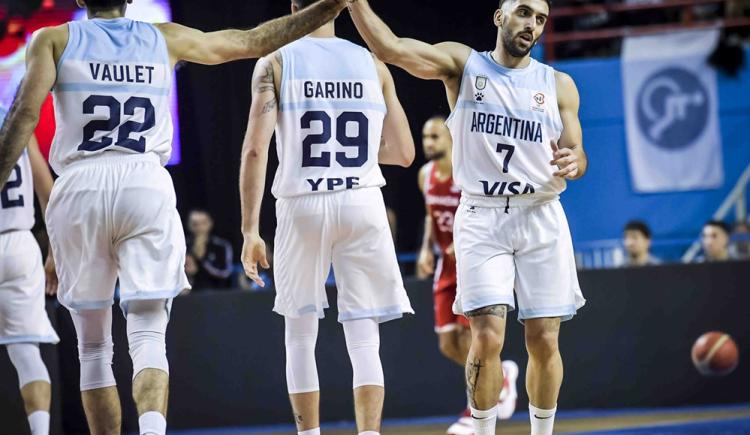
(444, 292)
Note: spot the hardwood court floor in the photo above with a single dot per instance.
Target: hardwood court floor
(729, 420)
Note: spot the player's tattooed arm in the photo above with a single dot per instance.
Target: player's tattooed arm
(41, 73)
(493, 310)
(568, 153)
(264, 85)
(191, 45)
(444, 61)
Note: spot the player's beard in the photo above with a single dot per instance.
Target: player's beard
(437, 155)
(512, 48)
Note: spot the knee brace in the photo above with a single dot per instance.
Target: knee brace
(363, 344)
(95, 347)
(27, 360)
(300, 337)
(147, 329)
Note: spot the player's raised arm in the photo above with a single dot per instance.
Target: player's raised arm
(260, 127)
(397, 147)
(213, 48)
(23, 116)
(569, 155)
(432, 62)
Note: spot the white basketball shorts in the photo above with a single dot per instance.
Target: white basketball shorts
(348, 229)
(23, 318)
(520, 244)
(115, 217)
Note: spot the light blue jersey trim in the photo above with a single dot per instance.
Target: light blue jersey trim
(380, 315)
(51, 339)
(110, 89)
(566, 312)
(88, 305)
(334, 105)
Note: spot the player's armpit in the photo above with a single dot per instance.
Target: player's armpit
(439, 62)
(41, 73)
(569, 102)
(397, 146)
(191, 45)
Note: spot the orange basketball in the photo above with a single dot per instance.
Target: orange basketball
(715, 354)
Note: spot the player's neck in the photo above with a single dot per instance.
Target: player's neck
(106, 14)
(445, 166)
(325, 31)
(639, 259)
(502, 58)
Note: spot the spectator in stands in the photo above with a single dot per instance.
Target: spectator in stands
(715, 242)
(740, 249)
(637, 243)
(209, 258)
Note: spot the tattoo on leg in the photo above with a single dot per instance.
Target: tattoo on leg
(298, 418)
(472, 379)
(494, 310)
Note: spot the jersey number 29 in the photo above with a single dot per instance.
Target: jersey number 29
(360, 141)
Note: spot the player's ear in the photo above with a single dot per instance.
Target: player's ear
(497, 19)
(81, 4)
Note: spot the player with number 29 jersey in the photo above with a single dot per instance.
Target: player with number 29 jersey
(323, 104)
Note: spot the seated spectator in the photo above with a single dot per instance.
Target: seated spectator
(740, 249)
(209, 258)
(637, 243)
(715, 242)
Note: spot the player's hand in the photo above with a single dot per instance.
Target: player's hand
(50, 274)
(425, 264)
(254, 252)
(451, 252)
(566, 161)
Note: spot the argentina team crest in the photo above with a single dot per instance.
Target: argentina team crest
(481, 83)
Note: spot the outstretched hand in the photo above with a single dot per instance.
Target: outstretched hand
(254, 252)
(50, 274)
(566, 161)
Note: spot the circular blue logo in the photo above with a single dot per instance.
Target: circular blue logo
(673, 108)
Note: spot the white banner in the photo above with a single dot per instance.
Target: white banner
(672, 112)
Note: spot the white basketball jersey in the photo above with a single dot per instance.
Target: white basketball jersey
(502, 126)
(112, 92)
(330, 118)
(17, 194)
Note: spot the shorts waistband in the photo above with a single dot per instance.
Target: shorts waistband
(508, 201)
(112, 158)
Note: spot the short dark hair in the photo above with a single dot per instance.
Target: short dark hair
(97, 5)
(719, 224)
(303, 3)
(549, 3)
(639, 226)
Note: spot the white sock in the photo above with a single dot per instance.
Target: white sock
(542, 420)
(152, 423)
(315, 431)
(39, 422)
(369, 432)
(484, 421)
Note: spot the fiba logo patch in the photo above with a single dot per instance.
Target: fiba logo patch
(538, 102)
(673, 108)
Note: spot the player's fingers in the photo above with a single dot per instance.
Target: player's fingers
(264, 262)
(554, 146)
(566, 171)
(565, 161)
(257, 279)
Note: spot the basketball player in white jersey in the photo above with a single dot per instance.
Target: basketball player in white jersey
(112, 212)
(332, 104)
(23, 319)
(517, 138)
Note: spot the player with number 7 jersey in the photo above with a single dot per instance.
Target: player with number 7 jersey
(337, 117)
(112, 213)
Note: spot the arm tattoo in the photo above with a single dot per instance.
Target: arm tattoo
(472, 379)
(265, 83)
(494, 310)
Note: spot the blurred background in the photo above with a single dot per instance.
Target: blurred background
(665, 109)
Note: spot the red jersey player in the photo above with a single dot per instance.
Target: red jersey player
(441, 201)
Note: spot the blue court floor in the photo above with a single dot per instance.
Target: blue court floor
(708, 420)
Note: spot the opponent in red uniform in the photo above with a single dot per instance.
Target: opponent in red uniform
(441, 201)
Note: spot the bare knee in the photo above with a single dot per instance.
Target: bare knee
(542, 338)
(448, 344)
(487, 340)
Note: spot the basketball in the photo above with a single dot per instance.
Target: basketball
(715, 354)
